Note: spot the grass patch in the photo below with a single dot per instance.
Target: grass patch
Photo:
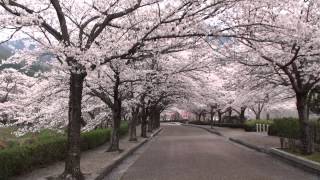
(7, 139)
(313, 157)
(39, 149)
(6, 133)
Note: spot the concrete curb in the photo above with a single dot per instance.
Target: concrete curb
(296, 161)
(302, 163)
(291, 159)
(251, 146)
(212, 131)
(238, 141)
(119, 159)
(156, 133)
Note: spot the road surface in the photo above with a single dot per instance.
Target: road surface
(188, 153)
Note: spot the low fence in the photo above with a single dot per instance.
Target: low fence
(262, 128)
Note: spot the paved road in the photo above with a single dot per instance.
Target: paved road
(188, 153)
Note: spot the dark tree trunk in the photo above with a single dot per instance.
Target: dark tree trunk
(242, 114)
(133, 124)
(72, 163)
(91, 114)
(115, 136)
(156, 120)
(258, 116)
(229, 114)
(219, 116)
(305, 129)
(139, 118)
(144, 123)
(116, 116)
(258, 111)
(199, 117)
(203, 116)
(211, 118)
(150, 121)
(268, 116)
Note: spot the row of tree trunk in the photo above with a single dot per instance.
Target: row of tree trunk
(149, 118)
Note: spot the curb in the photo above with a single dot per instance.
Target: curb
(212, 131)
(156, 133)
(251, 146)
(299, 162)
(118, 160)
(293, 160)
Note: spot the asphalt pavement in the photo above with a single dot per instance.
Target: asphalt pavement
(188, 153)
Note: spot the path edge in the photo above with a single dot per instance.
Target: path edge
(106, 170)
(250, 146)
(299, 162)
(212, 131)
(290, 159)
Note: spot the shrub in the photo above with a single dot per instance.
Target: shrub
(94, 138)
(124, 128)
(250, 125)
(230, 125)
(200, 122)
(22, 158)
(183, 121)
(48, 147)
(98, 137)
(285, 127)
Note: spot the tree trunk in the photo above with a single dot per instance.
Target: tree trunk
(116, 117)
(242, 114)
(144, 123)
(115, 136)
(156, 120)
(199, 117)
(305, 129)
(268, 116)
(150, 121)
(211, 118)
(133, 124)
(72, 163)
(257, 115)
(229, 114)
(219, 116)
(204, 116)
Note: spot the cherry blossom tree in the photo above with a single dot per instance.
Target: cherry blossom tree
(87, 34)
(286, 51)
(13, 88)
(111, 85)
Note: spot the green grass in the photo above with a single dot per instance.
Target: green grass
(313, 157)
(35, 150)
(9, 140)
(6, 133)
